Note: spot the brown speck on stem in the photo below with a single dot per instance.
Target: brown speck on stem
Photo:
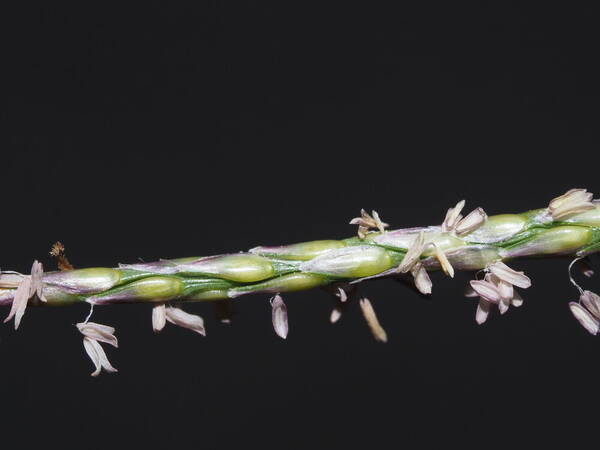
(58, 251)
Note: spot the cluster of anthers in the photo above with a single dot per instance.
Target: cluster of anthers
(30, 287)
(573, 201)
(454, 223)
(498, 286)
(94, 333)
(587, 309)
(367, 221)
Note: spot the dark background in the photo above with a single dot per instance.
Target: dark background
(163, 130)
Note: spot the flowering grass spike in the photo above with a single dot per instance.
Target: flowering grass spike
(487, 246)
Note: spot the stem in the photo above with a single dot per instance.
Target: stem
(311, 264)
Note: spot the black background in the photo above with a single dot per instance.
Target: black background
(161, 130)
